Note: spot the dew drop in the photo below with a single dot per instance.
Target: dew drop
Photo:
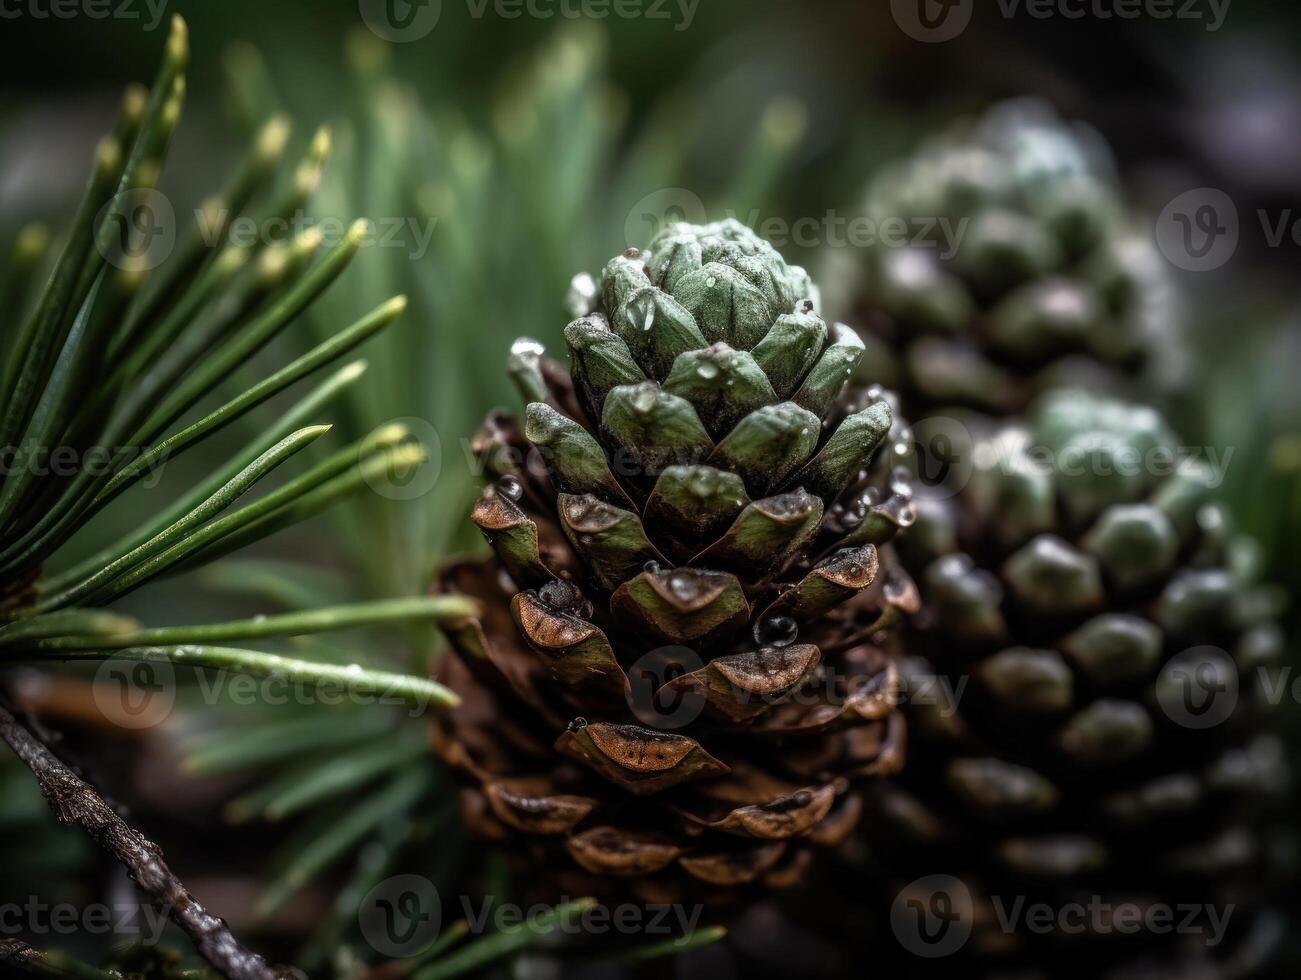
(711, 281)
(644, 400)
(651, 567)
(776, 631)
(707, 371)
(578, 724)
(510, 487)
(565, 597)
(632, 253)
(683, 586)
(527, 347)
(581, 298)
(641, 311)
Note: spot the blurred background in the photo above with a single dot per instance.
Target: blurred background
(501, 147)
(444, 129)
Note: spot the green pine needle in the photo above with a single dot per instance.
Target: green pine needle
(417, 692)
(489, 949)
(438, 609)
(672, 947)
(325, 845)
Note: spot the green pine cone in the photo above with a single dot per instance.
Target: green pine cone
(679, 673)
(1088, 683)
(1022, 269)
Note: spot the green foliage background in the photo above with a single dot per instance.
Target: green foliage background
(527, 145)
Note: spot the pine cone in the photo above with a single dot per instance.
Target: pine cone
(1085, 697)
(678, 671)
(1022, 269)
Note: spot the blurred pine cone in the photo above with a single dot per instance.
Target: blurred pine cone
(678, 671)
(1021, 268)
(1085, 690)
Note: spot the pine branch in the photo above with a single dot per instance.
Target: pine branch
(17, 956)
(73, 800)
(418, 692)
(436, 609)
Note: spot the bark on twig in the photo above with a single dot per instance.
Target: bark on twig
(73, 800)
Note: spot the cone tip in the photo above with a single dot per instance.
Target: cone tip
(273, 138)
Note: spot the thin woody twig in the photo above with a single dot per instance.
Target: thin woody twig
(73, 800)
(19, 959)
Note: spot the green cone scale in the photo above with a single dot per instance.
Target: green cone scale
(679, 675)
(1088, 686)
(1021, 269)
